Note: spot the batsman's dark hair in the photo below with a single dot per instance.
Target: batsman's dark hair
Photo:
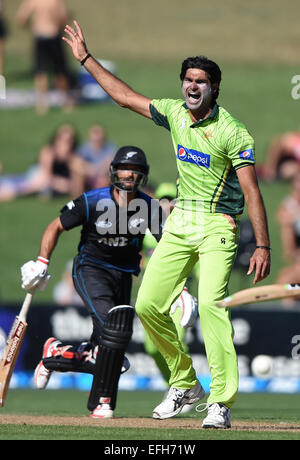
(202, 62)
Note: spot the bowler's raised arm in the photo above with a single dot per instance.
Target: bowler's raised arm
(119, 91)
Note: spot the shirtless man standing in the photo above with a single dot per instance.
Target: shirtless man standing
(3, 33)
(47, 20)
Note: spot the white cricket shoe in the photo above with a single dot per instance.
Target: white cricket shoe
(103, 410)
(176, 399)
(218, 416)
(41, 374)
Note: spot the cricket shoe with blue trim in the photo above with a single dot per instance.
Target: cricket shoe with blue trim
(176, 400)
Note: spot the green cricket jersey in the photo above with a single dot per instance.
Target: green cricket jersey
(208, 153)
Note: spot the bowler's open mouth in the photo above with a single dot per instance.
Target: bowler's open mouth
(194, 97)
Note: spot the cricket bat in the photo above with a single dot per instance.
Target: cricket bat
(260, 294)
(14, 342)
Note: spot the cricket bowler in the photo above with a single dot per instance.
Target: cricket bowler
(215, 158)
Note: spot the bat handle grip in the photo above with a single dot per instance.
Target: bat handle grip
(26, 305)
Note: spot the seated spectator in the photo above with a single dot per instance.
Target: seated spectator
(289, 219)
(283, 158)
(51, 176)
(92, 161)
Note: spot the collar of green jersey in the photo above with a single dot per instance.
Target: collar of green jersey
(213, 114)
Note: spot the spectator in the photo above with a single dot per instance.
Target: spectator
(47, 20)
(3, 33)
(93, 159)
(57, 159)
(283, 157)
(51, 176)
(289, 220)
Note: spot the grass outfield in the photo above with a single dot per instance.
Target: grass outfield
(30, 414)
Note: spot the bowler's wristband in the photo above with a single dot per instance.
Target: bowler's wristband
(264, 247)
(85, 59)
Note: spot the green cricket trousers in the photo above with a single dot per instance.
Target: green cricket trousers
(190, 236)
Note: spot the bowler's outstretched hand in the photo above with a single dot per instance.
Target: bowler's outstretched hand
(260, 262)
(76, 41)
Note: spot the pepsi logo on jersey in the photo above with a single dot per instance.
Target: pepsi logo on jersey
(193, 156)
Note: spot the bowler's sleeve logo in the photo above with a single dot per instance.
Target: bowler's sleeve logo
(247, 155)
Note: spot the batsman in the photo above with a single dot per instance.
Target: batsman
(114, 221)
(215, 157)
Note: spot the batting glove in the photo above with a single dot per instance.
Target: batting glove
(35, 274)
(189, 308)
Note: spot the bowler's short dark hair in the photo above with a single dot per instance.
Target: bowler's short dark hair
(202, 62)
